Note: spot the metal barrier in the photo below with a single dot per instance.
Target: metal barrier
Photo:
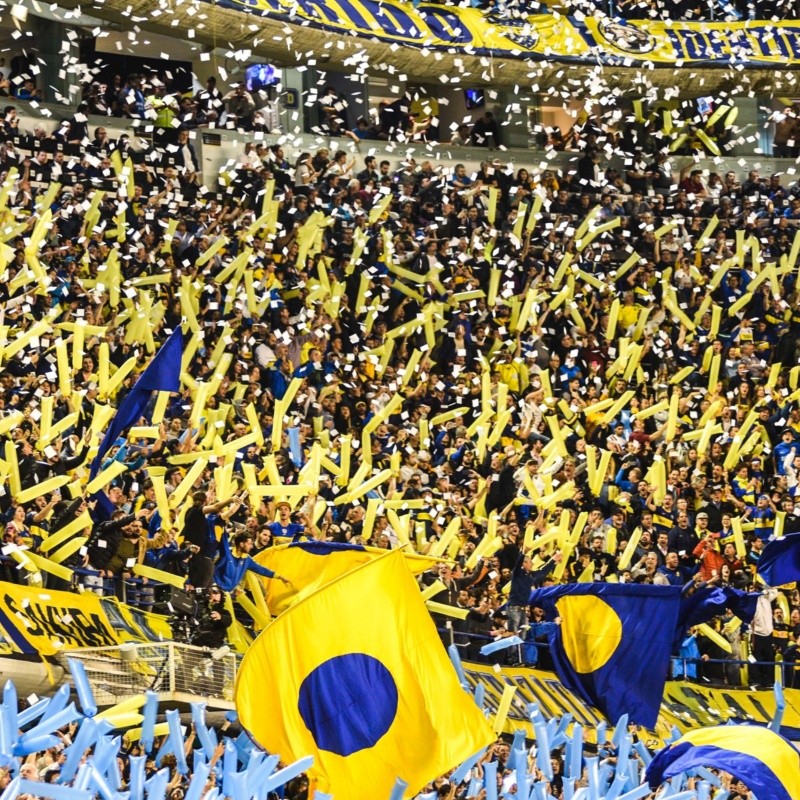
(181, 673)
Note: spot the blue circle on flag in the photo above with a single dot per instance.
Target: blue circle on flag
(348, 703)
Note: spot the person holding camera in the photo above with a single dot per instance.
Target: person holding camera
(213, 620)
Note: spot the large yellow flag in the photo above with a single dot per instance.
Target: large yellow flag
(311, 565)
(356, 676)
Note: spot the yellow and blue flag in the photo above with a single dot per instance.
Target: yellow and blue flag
(766, 762)
(613, 645)
(779, 562)
(356, 676)
(310, 565)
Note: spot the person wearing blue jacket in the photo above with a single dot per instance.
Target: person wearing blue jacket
(234, 561)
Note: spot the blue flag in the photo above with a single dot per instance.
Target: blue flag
(163, 374)
(711, 602)
(779, 562)
(612, 648)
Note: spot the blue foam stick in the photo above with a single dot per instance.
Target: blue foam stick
(703, 790)
(637, 794)
(83, 777)
(198, 757)
(540, 790)
(52, 791)
(635, 776)
(708, 775)
(568, 790)
(517, 744)
(105, 751)
(624, 751)
(576, 754)
(602, 733)
(84, 739)
(176, 739)
(229, 764)
(522, 775)
(552, 727)
(58, 701)
(231, 716)
(10, 704)
(12, 790)
(26, 745)
(6, 737)
(235, 786)
(690, 795)
(201, 729)
(618, 784)
(66, 716)
(604, 776)
(490, 779)
(256, 777)
(156, 785)
(318, 795)
(455, 660)
(643, 753)
(780, 707)
(99, 782)
(82, 687)
(254, 761)
(295, 451)
(198, 782)
(283, 776)
(399, 789)
(480, 694)
(148, 723)
(462, 770)
(33, 712)
(501, 644)
(113, 775)
(594, 778)
(543, 749)
(136, 779)
(620, 730)
(244, 746)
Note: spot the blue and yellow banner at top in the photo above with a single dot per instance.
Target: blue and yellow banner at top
(600, 39)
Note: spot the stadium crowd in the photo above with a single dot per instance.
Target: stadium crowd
(509, 330)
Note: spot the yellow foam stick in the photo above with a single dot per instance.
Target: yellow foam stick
(774, 371)
(433, 589)
(491, 208)
(713, 636)
(780, 521)
(446, 416)
(255, 425)
(450, 533)
(115, 381)
(738, 537)
(80, 523)
(502, 421)
(680, 376)
(446, 610)
(634, 356)
(151, 573)
(672, 420)
(46, 565)
(103, 478)
(369, 517)
(740, 304)
(503, 708)
(600, 405)
(709, 430)
(162, 501)
(41, 489)
(618, 406)
(494, 286)
(587, 576)
(21, 341)
(131, 704)
(68, 549)
(377, 210)
(185, 486)
(260, 619)
(218, 244)
(373, 483)
(630, 549)
(11, 421)
(591, 463)
(602, 471)
(345, 448)
(199, 405)
(59, 428)
(143, 432)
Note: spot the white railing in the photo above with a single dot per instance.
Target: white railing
(177, 672)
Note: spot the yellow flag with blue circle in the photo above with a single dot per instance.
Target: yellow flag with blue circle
(613, 645)
(766, 762)
(356, 676)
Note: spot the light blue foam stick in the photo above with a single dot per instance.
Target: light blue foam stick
(176, 739)
(105, 751)
(689, 795)
(83, 777)
(620, 730)
(455, 660)
(708, 775)
(258, 774)
(206, 737)
(703, 790)
(643, 753)
(26, 745)
(12, 790)
(560, 737)
(624, 752)
(136, 777)
(82, 687)
(501, 644)
(581, 794)
(235, 786)
(398, 790)
(113, 775)
(57, 702)
(52, 791)
(198, 782)
(617, 786)
(318, 795)
(149, 714)
(479, 694)
(7, 737)
(535, 713)
(568, 790)
(594, 778)
(540, 790)
(156, 785)
(9, 720)
(637, 794)
(230, 761)
(521, 766)
(780, 707)
(84, 739)
(576, 753)
(543, 749)
(463, 768)
(99, 782)
(283, 776)
(635, 774)
(295, 450)
(603, 776)
(490, 779)
(602, 734)
(475, 785)
(33, 712)
(517, 744)
(244, 746)
(64, 717)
